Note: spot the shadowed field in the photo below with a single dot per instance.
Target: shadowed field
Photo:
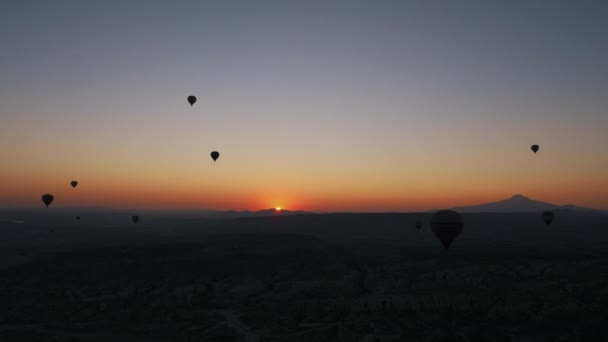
(342, 277)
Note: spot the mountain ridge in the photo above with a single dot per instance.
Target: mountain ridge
(521, 204)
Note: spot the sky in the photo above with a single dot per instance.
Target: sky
(313, 105)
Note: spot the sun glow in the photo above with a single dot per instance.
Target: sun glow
(278, 209)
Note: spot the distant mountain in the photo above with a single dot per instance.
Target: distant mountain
(521, 204)
(223, 215)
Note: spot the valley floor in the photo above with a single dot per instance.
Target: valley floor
(287, 287)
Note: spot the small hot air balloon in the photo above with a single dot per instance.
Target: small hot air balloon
(419, 224)
(446, 225)
(215, 155)
(548, 217)
(135, 219)
(78, 218)
(535, 148)
(47, 199)
(73, 184)
(191, 100)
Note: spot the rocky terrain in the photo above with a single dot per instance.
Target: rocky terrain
(290, 287)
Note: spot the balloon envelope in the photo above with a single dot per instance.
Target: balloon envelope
(47, 199)
(548, 217)
(446, 225)
(419, 224)
(191, 100)
(135, 219)
(535, 148)
(215, 155)
(73, 184)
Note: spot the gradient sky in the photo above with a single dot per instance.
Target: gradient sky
(313, 105)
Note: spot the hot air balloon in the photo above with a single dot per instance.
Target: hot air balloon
(135, 219)
(78, 218)
(535, 148)
(548, 217)
(215, 155)
(73, 184)
(419, 224)
(47, 199)
(446, 225)
(191, 100)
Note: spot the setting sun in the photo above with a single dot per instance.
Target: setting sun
(277, 209)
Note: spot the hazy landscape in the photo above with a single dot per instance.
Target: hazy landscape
(272, 276)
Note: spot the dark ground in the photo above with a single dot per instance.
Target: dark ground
(342, 277)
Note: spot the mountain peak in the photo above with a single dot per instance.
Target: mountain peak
(519, 203)
(516, 203)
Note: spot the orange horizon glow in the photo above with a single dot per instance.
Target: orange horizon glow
(120, 195)
(418, 179)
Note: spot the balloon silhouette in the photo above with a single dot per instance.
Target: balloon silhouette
(447, 225)
(215, 155)
(535, 148)
(73, 184)
(419, 224)
(47, 199)
(78, 218)
(135, 219)
(191, 100)
(548, 217)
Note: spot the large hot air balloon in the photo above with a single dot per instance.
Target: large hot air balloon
(191, 100)
(446, 225)
(47, 199)
(548, 217)
(535, 148)
(73, 184)
(215, 155)
(419, 224)
(135, 219)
